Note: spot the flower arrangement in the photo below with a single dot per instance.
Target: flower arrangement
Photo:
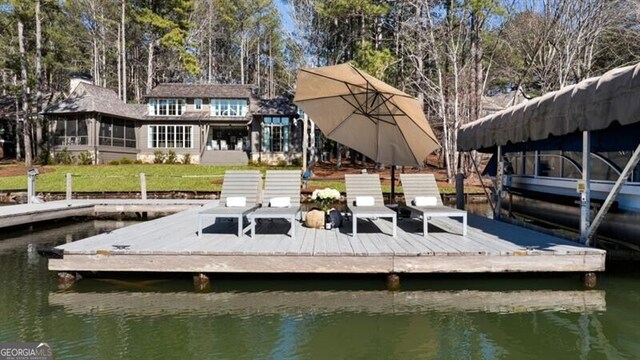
(325, 197)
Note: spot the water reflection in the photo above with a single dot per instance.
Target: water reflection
(328, 302)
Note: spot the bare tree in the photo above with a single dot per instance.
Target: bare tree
(123, 52)
(38, 70)
(26, 124)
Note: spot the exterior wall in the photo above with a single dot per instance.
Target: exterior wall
(191, 106)
(109, 153)
(146, 153)
(272, 158)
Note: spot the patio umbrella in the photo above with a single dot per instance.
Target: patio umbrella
(366, 114)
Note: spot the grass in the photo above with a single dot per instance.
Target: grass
(99, 178)
(159, 177)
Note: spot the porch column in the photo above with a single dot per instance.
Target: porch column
(312, 140)
(305, 141)
(584, 187)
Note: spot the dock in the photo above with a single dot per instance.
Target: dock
(170, 244)
(15, 215)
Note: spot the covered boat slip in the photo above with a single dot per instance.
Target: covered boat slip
(588, 132)
(170, 244)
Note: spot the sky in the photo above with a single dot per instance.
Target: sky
(284, 7)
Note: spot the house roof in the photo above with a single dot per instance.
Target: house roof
(90, 98)
(280, 105)
(223, 91)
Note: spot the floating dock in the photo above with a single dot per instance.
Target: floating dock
(170, 244)
(15, 215)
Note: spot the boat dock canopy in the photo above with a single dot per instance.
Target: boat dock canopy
(593, 104)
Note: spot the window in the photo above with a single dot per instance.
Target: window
(275, 134)
(170, 136)
(198, 104)
(71, 131)
(229, 107)
(167, 107)
(117, 132)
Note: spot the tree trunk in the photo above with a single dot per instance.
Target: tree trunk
(26, 128)
(119, 66)
(17, 133)
(38, 124)
(242, 51)
(124, 54)
(150, 67)
(209, 47)
(257, 72)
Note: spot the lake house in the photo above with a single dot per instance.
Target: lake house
(213, 123)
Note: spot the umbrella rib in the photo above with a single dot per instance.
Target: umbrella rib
(352, 84)
(404, 137)
(342, 123)
(405, 114)
(333, 79)
(368, 82)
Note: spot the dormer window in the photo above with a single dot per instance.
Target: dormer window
(198, 104)
(166, 107)
(229, 107)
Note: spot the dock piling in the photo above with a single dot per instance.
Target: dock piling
(201, 282)
(67, 279)
(393, 282)
(143, 186)
(589, 280)
(69, 187)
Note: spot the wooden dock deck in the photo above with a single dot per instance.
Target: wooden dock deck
(14, 215)
(170, 244)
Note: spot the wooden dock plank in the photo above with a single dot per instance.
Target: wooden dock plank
(170, 244)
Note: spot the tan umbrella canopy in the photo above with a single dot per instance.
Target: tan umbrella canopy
(365, 114)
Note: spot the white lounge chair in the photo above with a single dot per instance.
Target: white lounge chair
(236, 187)
(223, 145)
(281, 187)
(421, 187)
(364, 199)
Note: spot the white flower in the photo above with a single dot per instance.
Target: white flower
(325, 194)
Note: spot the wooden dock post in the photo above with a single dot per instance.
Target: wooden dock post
(143, 186)
(69, 183)
(460, 191)
(589, 280)
(201, 282)
(67, 279)
(393, 282)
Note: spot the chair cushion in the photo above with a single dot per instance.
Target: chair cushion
(365, 201)
(425, 201)
(280, 202)
(236, 201)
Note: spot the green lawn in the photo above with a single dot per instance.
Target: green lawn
(126, 178)
(159, 177)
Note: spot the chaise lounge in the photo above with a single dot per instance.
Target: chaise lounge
(422, 196)
(238, 198)
(364, 199)
(281, 198)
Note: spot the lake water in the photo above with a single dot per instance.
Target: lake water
(432, 317)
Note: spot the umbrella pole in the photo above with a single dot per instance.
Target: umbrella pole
(393, 185)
